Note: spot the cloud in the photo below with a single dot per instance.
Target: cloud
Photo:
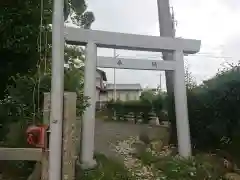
(231, 49)
(214, 22)
(127, 16)
(232, 4)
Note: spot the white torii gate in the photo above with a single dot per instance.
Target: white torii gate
(93, 39)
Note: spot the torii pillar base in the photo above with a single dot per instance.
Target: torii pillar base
(88, 165)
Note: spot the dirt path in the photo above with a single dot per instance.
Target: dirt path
(109, 133)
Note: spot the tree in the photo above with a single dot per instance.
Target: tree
(189, 80)
(147, 96)
(25, 50)
(155, 99)
(25, 67)
(26, 35)
(213, 110)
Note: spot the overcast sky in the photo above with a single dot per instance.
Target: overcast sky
(215, 22)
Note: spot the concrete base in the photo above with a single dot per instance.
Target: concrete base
(88, 165)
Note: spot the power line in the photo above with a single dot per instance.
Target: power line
(160, 56)
(211, 56)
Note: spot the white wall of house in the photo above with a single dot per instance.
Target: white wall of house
(123, 95)
(99, 80)
(103, 96)
(97, 94)
(125, 92)
(99, 83)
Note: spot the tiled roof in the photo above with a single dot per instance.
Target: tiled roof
(124, 87)
(103, 74)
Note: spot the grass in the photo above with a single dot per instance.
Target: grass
(200, 167)
(107, 169)
(168, 168)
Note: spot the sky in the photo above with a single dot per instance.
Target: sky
(214, 22)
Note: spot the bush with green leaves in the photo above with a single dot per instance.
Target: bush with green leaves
(24, 102)
(124, 109)
(213, 111)
(170, 167)
(194, 168)
(23, 107)
(142, 109)
(107, 169)
(25, 44)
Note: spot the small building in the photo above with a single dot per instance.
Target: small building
(124, 92)
(105, 91)
(101, 79)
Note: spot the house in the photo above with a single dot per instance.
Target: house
(100, 83)
(105, 91)
(124, 92)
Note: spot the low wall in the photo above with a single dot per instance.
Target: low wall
(107, 133)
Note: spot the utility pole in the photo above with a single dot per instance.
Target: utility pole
(166, 28)
(166, 24)
(55, 144)
(166, 21)
(115, 91)
(114, 71)
(160, 81)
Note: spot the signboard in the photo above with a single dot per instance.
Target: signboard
(140, 64)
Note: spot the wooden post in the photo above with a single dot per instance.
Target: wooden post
(69, 136)
(46, 120)
(46, 108)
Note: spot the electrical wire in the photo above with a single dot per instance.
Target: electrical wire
(37, 84)
(207, 55)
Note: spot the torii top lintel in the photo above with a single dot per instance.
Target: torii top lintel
(79, 36)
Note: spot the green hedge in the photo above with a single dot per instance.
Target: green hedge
(214, 113)
(140, 110)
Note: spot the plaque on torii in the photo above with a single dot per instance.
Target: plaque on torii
(119, 62)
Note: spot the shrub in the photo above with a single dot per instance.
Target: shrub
(170, 167)
(139, 109)
(24, 102)
(23, 106)
(148, 163)
(195, 168)
(107, 169)
(213, 111)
